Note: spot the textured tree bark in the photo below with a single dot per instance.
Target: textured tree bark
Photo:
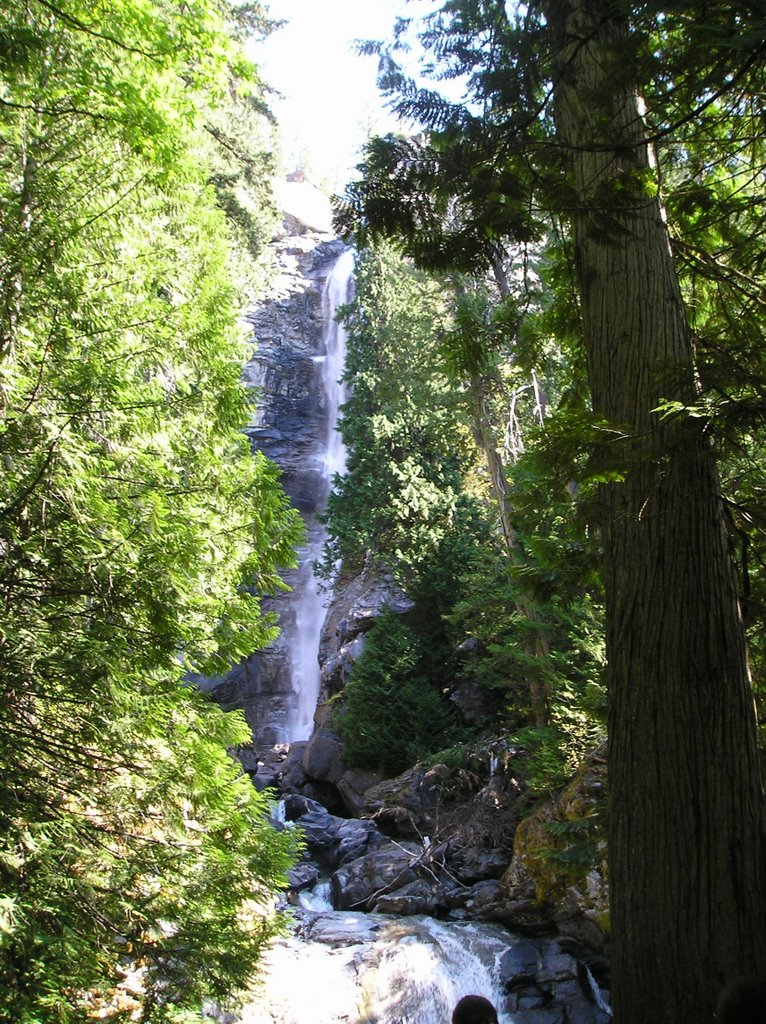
(686, 818)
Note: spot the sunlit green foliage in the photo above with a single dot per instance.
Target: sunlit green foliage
(138, 866)
(416, 359)
(137, 532)
(405, 438)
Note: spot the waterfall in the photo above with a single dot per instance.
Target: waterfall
(336, 293)
(344, 967)
(356, 968)
(377, 969)
(308, 599)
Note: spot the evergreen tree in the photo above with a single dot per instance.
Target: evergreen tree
(686, 824)
(394, 713)
(684, 870)
(137, 531)
(399, 496)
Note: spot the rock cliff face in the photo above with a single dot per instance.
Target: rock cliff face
(290, 330)
(356, 604)
(290, 427)
(559, 859)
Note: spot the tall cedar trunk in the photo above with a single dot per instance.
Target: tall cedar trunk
(686, 820)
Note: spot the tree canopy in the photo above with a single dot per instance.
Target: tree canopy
(621, 145)
(137, 531)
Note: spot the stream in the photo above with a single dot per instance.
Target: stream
(376, 968)
(356, 968)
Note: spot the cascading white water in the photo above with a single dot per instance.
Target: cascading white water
(377, 969)
(309, 601)
(342, 967)
(347, 967)
(336, 293)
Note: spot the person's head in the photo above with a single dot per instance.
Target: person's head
(742, 1002)
(474, 1010)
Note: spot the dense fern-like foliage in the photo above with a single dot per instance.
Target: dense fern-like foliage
(137, 531)
(445, 204)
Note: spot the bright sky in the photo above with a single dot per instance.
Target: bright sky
(330, 102)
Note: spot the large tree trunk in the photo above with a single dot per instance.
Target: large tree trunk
(686, 817)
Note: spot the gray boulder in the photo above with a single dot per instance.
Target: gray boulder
(267, 777)
(336, 668)
(331, 841)
(404, 806)
(320, 830)
(581, 912)
(356, 838)
(296, 805)
(520, 962)
(418, 897)
(544, 984)
(303, 876)
(323, 757)
(359, 883)
(479, 863)
(353, 786)
(483, 900)
(576, 901)
(293, 775)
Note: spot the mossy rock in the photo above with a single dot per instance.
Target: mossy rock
(560, 852)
